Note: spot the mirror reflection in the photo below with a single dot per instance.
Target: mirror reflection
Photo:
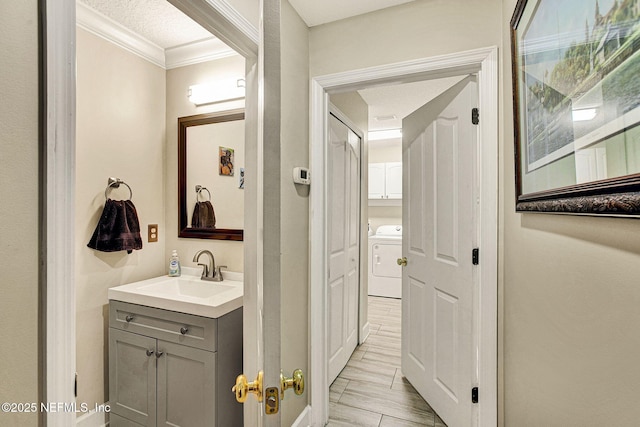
(211, 175)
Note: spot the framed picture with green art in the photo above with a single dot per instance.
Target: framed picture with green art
(576, 100)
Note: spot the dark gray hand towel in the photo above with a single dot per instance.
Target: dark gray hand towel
(118, 228)
(203, 215)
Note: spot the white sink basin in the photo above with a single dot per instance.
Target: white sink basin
(186, 288)
(185, 294)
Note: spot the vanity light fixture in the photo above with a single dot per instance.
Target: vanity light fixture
(218, 91)
(377, 135)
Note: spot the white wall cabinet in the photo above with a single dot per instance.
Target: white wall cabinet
(173, 369)
(385, 182)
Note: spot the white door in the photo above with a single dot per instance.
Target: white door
(343, 205)
(440, 152)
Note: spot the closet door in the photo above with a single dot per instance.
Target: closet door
(344, 245)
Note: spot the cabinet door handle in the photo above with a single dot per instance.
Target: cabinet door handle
(160, 353)
(150, 352)
(129, 318)
(184, 330)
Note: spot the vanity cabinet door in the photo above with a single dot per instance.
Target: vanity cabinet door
(186, 386)
(132, 377)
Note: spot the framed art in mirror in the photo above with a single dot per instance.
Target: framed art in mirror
(576, 100)
(210, 203)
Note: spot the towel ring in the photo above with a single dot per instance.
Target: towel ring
(199, 189)
(115, 183)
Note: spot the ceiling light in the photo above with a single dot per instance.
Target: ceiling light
(376, 135)
(218, 91)
(385, 118)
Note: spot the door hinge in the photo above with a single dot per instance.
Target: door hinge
(75, 386)
(475, 256)
(475, 116)
(474, 395)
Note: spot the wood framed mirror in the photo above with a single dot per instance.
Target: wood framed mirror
(211, 175)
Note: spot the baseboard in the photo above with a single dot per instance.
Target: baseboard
(304, 419)
(365, 332)
(93, 419)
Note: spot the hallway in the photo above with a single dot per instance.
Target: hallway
(370, 390)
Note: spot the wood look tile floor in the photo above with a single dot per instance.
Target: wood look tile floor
(370, 390)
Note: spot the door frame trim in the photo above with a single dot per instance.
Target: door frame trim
(484, 62)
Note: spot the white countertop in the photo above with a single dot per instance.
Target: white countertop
(185, 294)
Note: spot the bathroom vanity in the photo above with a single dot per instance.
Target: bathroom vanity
(176, 368)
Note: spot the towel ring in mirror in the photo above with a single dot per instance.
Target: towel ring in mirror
(200, 189)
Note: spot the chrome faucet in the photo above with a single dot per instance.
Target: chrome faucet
(208, 270)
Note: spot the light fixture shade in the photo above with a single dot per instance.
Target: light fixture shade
(218, 91)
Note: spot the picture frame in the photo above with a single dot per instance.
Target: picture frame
(576, 104)
(227, 160)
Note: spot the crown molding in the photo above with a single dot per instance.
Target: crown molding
(108, 29)
(193, 53)
(197, 52)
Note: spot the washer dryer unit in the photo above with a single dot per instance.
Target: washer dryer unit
(385, 275)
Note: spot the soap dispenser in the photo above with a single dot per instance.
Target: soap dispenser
(174, 265)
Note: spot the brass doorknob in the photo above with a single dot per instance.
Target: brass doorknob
(243, 387)
(296, 382)
(402, 261)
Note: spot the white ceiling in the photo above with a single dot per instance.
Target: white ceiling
(155, 20)
(401, 100)
(162, 24)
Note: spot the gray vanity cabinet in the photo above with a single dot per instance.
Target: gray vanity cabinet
(173, 369)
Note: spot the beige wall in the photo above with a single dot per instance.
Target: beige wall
(568, 285)
(413, 30)
(120, 133)
(178, 81)
(294, 205)
(385, 151)
(570, 296)
(127, 127)
(19, 210)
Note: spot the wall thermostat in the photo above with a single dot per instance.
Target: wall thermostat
(301, 176)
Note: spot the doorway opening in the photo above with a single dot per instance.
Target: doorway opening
(482, 62)
(353, 396)
(59, 293)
